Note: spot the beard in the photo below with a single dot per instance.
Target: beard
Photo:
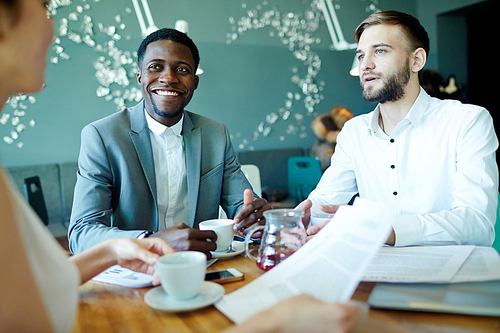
(163, 113)
(393, 90)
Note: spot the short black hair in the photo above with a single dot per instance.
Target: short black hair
(168, 34)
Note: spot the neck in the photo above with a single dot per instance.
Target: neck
(392, 113)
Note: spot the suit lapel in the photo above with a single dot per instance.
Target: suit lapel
(192, 144)
(139, 134)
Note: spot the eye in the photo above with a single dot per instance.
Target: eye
(379, 51)
(154, 67)
(182, 69)
(361, 56)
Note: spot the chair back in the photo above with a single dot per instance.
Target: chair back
(34, 195)
(252, 173)
(304, 173)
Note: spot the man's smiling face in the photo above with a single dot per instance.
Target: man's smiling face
(167, 79)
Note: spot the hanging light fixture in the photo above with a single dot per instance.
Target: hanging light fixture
(355, 67)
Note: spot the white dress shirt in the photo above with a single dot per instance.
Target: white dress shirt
(170, 172)
(437, 168)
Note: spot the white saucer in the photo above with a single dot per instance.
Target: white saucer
(238, 248)
(209, 294)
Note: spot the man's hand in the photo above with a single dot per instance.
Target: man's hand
(330, 209)
(251, 214)
(183, 238)
(305, 206)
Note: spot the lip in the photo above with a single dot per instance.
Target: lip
(368, 79)
(163, 92)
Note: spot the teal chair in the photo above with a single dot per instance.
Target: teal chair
(304, 173)
(496, 243)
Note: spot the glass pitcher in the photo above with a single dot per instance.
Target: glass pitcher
(283, 234)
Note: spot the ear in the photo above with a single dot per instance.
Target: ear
(139, 77)
(196, 81)
(419, 59)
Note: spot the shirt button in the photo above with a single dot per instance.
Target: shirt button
(392, 140)
(393, 166)
(395, 193)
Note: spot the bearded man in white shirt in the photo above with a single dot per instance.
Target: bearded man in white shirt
(433, 159)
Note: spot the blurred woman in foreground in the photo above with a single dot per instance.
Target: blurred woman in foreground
(37, 278)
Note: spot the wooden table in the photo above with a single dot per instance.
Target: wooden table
(111, 308)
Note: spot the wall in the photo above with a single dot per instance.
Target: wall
(243, 82)
(427, 12)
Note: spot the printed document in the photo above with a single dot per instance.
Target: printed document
(437, 264)
(328, 267)
(482, 265)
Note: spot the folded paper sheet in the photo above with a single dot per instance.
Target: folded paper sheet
(328, 267)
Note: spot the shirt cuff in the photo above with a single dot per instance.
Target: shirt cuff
(408, 230)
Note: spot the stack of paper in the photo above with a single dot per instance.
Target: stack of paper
(434, 264)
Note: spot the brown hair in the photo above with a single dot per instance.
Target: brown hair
(416, 36)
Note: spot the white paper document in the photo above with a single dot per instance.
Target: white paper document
(437, 264)
(482, 265)
(125, 277)
(328, 267)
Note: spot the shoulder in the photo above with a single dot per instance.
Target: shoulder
(204, 122)
(210, 128)
(114, 124)
(114, 119)
(455, 108)
(358, 123)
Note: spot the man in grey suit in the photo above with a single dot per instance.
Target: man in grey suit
(156, 170)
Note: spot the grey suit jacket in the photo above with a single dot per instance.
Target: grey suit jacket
(115, 193)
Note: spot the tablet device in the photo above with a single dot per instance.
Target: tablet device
(473, 298)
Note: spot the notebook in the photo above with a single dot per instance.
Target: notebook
(473, 298)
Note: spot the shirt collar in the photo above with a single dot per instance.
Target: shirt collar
(158, 128)
(414, 116)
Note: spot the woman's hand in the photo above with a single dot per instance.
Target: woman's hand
(140, 255)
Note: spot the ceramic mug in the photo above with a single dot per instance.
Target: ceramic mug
(224, 230)
(182, 273)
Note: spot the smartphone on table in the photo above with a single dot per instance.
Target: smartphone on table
(224, 276)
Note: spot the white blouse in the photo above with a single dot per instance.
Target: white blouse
(56, 277)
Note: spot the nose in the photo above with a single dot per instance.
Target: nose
(168, 76)
(366, 63)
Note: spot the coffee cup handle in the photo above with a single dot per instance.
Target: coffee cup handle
(247, 241)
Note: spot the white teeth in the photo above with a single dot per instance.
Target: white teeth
(167, 93)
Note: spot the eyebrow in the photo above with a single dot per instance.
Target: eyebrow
(374, 46)
(179, 62)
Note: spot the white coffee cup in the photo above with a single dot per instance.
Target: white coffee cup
(182, 273)
(317, 218)
(224, 230)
